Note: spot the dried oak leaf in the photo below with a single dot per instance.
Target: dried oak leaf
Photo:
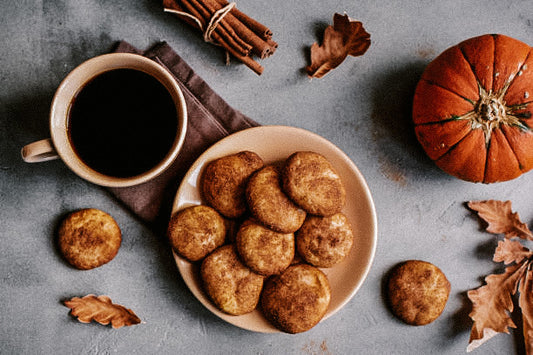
(501, 219)
(511, 252)
(525, 302)
(492, 303)
(345, 37)
(101, 310)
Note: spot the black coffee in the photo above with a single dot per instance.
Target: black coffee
(122, 123)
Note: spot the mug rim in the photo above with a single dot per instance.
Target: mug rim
(77, 79)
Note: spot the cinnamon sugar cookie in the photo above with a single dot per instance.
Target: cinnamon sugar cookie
(297, 299)
(264, 251)
(232, 287)
(417, 292)
(313, 184)
(89, 238)
(269, 204)
(224, 181)
(325, 241)
(196, 231)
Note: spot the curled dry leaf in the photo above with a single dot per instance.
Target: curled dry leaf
(100, 309)
(345, 37)
(511, 252)
(501, 219)
(526, 305)
(492, 303)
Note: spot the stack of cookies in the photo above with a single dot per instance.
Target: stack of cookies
(289, 224)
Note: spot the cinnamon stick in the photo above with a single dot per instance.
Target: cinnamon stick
(259, 46)
(240, 38)
(198, 11)
(248, 61)
(173, 7)
(228, 33)
(258, 28)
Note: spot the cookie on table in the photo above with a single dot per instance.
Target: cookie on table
(224, 181)
(269, 204)
(89, 238)
(313, 184)
(325, 241)
(233, 287)
(196, 231)
(297, 299)
(263, 250)
(417, 292)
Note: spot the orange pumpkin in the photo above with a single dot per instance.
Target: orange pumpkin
(473, 106)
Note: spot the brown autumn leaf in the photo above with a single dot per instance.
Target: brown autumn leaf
(511, 252)
(525, 302)
(501, 219)
(100, 309)
(492, 303)
(345, 37)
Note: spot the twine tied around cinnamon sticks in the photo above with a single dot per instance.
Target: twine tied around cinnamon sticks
(223, 24)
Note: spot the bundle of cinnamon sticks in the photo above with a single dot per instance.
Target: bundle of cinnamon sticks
(223, 24)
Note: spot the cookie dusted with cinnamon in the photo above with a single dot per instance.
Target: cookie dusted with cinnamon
(264, 251)
(269, 204)
(89, 238)
(325, 241)
(233, 287)
(313, 184)
(297, 299)
(196, 231)
(417, 292)
(224, 181)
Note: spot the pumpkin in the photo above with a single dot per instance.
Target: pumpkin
(472, 109)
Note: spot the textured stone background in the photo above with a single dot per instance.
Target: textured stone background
(363, 107)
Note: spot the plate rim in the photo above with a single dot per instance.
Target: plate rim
(353, 167)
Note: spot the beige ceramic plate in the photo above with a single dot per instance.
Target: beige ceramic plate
(274, 144)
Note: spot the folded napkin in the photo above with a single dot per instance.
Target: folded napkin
(210, 119)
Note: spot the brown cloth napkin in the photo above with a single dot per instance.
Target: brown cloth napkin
(210, 119)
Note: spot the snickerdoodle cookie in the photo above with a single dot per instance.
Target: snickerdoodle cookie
(417, 292)
(89, 238)
(233, 287)
(264, 251)
(224, 181)
(297, 299)
(269, 204)
(325, 241)
(313, 184)
(196, 231)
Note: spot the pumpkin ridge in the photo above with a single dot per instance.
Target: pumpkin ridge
(432, 83)
(471, 68)
(520, 106)
(452, 147)
(438, 148)
(487, 146)
(494, 72)
(513, 72)
(466, 116)
(453, 118)
(515, 75)
(512, 150)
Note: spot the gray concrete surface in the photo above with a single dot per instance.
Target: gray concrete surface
(363, 107)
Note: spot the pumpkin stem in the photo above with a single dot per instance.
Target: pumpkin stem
(490, 113)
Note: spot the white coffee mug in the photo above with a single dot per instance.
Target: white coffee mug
(59, 146)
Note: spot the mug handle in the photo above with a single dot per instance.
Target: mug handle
(39, 151)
